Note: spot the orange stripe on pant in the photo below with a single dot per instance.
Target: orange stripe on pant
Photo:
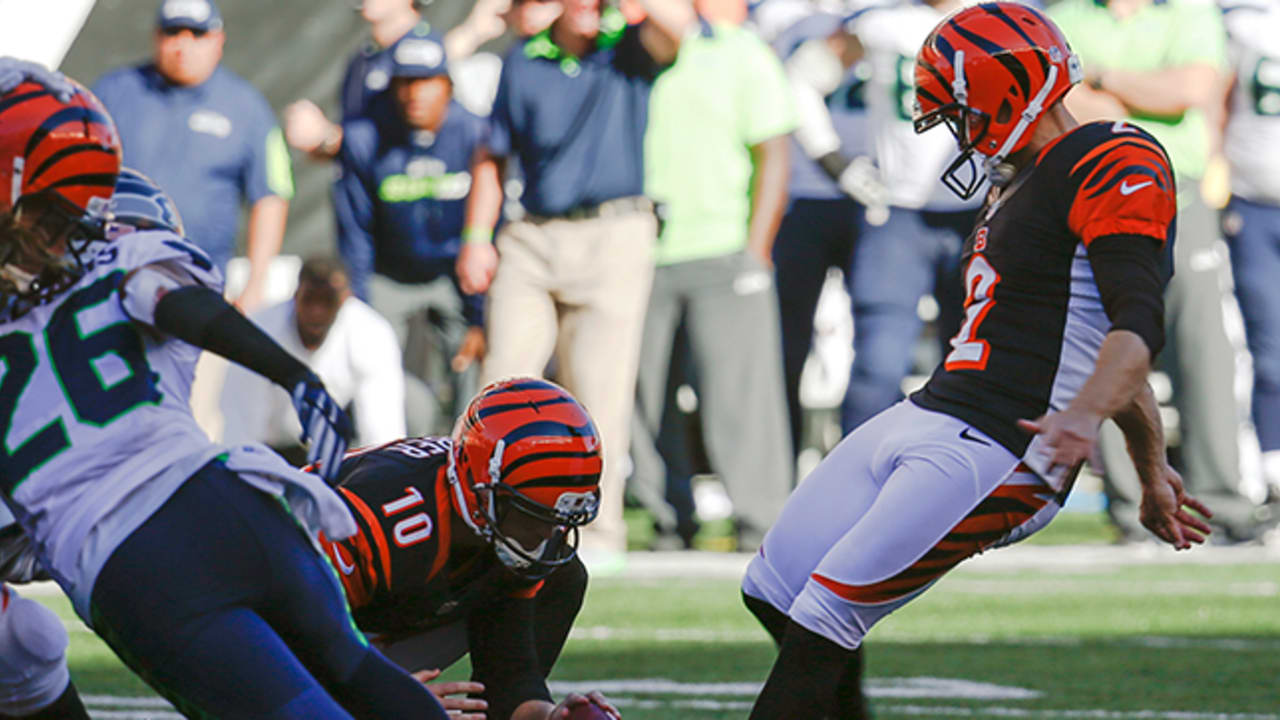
(987, 523)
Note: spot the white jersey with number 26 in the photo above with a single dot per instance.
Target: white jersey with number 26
(94, 416)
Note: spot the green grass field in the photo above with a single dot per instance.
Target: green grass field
(1092, 635)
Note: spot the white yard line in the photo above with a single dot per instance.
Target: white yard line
(145, 708)
(915, 687)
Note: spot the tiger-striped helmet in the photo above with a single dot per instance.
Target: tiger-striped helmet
(989, 71)
(58, 162)
(526, 445)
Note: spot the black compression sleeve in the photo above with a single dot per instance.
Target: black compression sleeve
(1127, 270)
(503, 655)
(203, 318)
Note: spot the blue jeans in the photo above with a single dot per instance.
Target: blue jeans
(221, 603)
(1252, 231)
(887, 269)
(915, 253)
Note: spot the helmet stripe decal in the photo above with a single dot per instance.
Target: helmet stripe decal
(534, 457)
(530, 384)
(68, 114)
(999, 13)
(984, 44)
(16, 100)
(548, 428)
(942, 82)
(948, 52)
(64, 152)
(106, 180)
(523, 405)
(564, 481)
(1017, 70)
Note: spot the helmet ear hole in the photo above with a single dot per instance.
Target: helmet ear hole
(1005, 113)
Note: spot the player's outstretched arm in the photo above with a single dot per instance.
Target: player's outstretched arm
(1122, 368)
(200, 316)
(1164, 505)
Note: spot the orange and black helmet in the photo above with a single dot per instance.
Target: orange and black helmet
(989, 71)
(58, 162)
(70, 149)
(526, 445)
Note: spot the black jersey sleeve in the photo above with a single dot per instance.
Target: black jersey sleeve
(1127, 270)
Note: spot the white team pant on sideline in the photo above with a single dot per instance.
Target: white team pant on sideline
(896, 504)
(33, 663)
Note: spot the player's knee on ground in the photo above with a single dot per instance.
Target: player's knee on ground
(33, 664)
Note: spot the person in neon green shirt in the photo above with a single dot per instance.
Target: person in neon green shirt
(716, 164)
(1159, 64)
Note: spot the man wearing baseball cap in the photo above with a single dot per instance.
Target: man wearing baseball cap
(400, 202)
(206, 136)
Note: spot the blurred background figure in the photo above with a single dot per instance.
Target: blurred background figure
(208, 137)
(913, 251)
(1251, 221)
(368, 73)
(349, 345)
(824, 216)
(573, 276)
(1160, 64)
(400, 199)
(716, 164)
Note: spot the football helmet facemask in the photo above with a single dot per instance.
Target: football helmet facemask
(525, 446)
(58, 165)
(989, 72)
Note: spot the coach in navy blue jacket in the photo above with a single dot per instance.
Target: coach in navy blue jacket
(207, 136)
(400, 201)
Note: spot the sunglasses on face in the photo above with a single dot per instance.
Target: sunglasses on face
(176, 31)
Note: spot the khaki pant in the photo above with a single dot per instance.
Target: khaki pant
(577, 289)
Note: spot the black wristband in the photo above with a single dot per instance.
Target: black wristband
(203, 318)
(834, 164)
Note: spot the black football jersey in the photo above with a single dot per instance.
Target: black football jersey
(1034, 316)
(402, 572)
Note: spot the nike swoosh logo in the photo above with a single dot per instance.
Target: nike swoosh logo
(964, 435)
(342, 564)
(1127, 189)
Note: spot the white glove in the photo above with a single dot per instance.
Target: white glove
(14, 72)
(860, 180)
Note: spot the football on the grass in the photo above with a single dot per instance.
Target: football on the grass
(589, 711)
